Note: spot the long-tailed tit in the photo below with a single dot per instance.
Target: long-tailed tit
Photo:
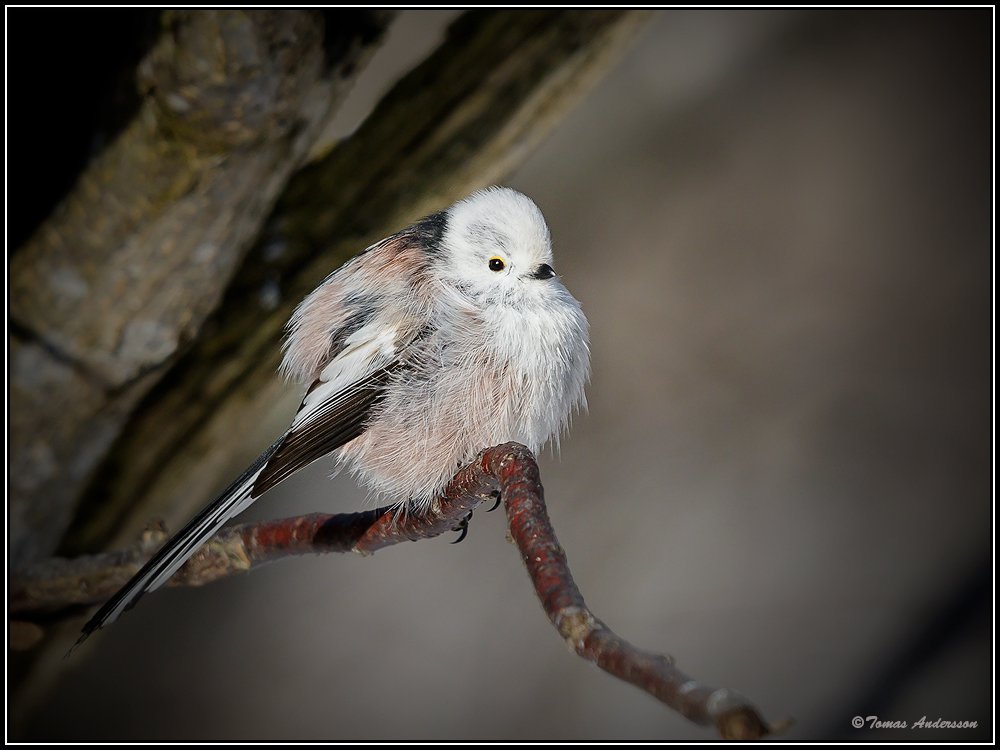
(450, 336)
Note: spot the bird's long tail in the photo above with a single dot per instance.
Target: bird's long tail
(233, 500)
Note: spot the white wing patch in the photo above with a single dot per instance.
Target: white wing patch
(367, 350)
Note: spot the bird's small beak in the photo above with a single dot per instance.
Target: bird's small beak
(543, 271)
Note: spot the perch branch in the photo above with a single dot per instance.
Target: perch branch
(89, 579)
(509, 468)
(515, 468)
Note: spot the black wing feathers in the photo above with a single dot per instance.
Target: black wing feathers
(339, 422)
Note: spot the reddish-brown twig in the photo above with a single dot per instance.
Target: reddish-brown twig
(511, 468)
(515, 468)
(59, 583)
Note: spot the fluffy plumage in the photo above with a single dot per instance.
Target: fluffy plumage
(448, 337)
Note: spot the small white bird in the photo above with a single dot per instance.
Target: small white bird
(448, 337)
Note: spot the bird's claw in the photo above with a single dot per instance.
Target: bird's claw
(463, 526)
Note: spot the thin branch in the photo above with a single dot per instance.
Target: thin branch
(59, 583)
(509, 468)
(517, 472)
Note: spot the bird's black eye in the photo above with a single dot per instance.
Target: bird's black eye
(497, 264)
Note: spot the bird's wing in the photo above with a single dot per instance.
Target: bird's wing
(332, 413)
(345, 338)
(335, 408)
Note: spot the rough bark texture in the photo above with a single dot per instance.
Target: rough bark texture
(458, 122)
(124, 273)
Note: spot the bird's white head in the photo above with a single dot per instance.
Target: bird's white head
(496, 246)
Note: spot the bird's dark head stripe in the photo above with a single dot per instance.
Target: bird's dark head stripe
(430, 230)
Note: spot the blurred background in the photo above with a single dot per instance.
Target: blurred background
(778, 224)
